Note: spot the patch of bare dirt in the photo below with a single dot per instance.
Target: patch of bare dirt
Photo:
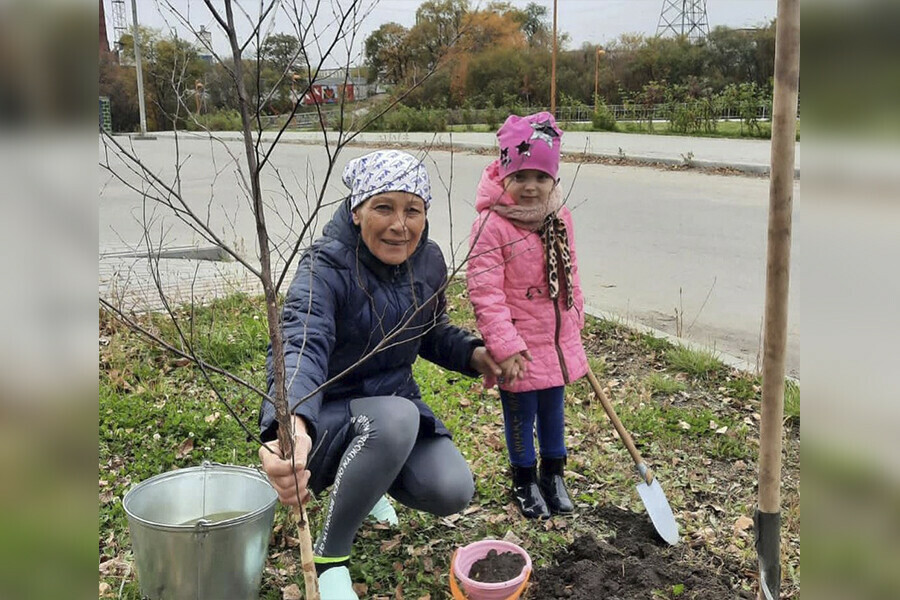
(634, 563)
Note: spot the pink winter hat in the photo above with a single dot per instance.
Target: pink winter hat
(530, 142)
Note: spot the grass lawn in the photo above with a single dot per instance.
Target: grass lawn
(695, 421)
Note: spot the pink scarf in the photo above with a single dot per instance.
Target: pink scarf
(530, 217)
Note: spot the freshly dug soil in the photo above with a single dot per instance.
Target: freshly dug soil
(635, 564)
(495, 567)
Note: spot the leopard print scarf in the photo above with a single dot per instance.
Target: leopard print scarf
(555, 238)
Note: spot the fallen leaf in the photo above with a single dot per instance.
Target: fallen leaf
(425, 597)
(722, 429)
(181, 362)
(212, 418)
(185, 448)
(465, 402)
(389, 545)
(104, 588)
(107, 496)
(742, 524)
(290, 592)
(512, 537)
(684, 425)
(113, 566)
(361, 589)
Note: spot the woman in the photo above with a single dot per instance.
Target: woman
(369, 295)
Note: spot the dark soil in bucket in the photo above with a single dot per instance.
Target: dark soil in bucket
(634, 564)
(495, 567)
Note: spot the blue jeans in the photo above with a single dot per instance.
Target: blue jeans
(520, 409)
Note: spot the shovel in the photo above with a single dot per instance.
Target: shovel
(651, 493)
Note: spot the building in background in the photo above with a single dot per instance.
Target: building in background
(334, 86)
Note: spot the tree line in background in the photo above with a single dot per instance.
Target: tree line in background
(456, 57)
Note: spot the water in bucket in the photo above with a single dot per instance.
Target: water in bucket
(201, 533)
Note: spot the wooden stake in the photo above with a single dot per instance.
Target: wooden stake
(778, 258)
(781, 188)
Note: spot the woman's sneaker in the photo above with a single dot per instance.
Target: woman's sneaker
(383, 512)
(335, 584)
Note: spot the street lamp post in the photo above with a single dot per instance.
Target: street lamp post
(553, 67)
(600, 52)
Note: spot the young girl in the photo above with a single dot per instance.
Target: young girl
(523, 283)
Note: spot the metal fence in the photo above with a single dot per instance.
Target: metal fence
(306, 120)
(495, 116)
(655, 112)
(622, 112)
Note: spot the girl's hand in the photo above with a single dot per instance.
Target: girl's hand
(515, 366)
(484, 363)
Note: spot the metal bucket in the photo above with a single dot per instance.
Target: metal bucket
(201, 533)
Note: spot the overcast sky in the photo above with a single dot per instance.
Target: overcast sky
(594, 21)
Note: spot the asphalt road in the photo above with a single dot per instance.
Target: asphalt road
(649, 241)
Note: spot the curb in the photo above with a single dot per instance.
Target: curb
(749, 168)
(728, 360)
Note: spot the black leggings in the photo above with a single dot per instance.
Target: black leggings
(384, 454)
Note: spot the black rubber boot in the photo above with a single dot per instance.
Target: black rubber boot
(526, 493)
(553, 487)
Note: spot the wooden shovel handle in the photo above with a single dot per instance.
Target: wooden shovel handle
(623, 433)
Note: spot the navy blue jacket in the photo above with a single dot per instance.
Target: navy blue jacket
(342, 303)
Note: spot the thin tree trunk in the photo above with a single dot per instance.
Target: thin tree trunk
(285, 434)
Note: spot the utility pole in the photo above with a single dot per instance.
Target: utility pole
(136, 38)
(553, 67)
(600, 52)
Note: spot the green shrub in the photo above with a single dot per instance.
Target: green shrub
(404, 118)
(226, 119)
(603, 118)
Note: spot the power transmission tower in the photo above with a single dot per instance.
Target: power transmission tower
(120, 22)
(684, 17)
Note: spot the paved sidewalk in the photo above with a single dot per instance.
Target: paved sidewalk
(750, 156)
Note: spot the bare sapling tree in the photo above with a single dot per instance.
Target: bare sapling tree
(283, 223)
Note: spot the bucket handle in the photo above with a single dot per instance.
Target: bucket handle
(458, 595)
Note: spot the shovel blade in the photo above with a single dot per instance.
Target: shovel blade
(660, 512)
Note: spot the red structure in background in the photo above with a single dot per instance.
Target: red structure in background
(328, 94)
(104, 42)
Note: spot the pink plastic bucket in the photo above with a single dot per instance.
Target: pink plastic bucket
(465, 557)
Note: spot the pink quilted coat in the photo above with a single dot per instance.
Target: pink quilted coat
(507, 281)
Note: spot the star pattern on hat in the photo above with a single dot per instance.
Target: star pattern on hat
(524, 148)
(504, 157)
(544, 131)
